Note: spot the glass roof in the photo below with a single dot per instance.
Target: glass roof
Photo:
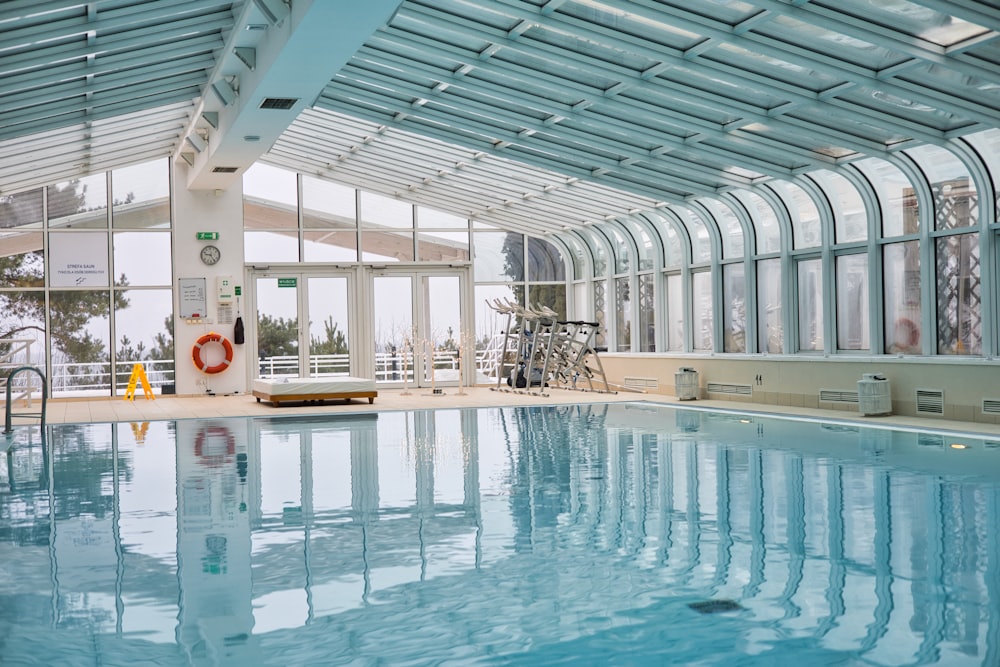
(537, 116)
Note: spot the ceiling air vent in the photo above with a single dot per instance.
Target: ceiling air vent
(930, 402)
(280, 103)
(225, 170)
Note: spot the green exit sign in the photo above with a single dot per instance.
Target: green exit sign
(287, 282)
(208, 236)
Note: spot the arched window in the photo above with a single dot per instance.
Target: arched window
(806, 231)
(850, 216)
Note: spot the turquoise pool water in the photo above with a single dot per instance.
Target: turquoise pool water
(619, 534)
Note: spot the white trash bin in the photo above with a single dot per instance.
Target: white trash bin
(686, 384)
(874, 395)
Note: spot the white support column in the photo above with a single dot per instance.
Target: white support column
(207, 211)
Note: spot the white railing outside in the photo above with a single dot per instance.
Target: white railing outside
(95, 379)
(388, 366)
(89, 379)
(18, 355)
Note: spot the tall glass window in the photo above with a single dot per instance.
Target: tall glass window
(901, 285)
(959, 295)
(646, 314)
(675, 313)
(852, 302)
(623, 314)
(601, 314)
(810, 277)
(735, 310)
(701, 289)
(770, 329)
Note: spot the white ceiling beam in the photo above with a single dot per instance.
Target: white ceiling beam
(295, 59)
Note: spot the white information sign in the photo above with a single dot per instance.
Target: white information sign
(78, 259)
(192, 298)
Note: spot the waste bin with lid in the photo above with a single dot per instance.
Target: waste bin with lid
(874, 395)
(686, 384)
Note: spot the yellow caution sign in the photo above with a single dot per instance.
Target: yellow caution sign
(138, 375)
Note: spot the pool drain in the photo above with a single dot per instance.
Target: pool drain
(715, 606)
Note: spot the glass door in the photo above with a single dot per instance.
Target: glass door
(395, 339)
(418, 326)
(441, 328)
(303, 323)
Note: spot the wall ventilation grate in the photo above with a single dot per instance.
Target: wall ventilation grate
(726, 388)
(991, 406)
(930, 402)
(225, 170)
(641, 382)
(838, 396)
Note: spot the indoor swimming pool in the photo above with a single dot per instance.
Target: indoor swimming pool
(601, 534)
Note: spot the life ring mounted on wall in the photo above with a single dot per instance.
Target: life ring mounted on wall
(212, 337)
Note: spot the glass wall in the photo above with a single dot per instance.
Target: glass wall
(103, 242)
(885, 257)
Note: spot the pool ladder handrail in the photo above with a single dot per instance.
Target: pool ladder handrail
(8, 425)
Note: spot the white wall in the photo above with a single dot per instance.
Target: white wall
(206, 211)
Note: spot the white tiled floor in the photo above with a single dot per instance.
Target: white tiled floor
(181, 407)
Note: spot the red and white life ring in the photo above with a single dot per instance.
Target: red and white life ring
(212, 337)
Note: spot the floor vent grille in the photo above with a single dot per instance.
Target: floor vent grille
(726, 388)
(991, 406)
(930, 402)
(838, 396)
(632, 382)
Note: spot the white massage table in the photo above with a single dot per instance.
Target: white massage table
(279, 389)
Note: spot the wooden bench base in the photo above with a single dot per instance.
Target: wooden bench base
(277, 399)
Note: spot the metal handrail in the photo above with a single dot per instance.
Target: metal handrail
(8, 426)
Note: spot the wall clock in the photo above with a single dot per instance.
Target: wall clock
(210, 255)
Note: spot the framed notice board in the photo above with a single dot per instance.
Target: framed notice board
(193, 301)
